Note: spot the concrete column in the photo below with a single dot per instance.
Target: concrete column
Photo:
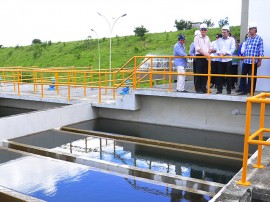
(244, 20)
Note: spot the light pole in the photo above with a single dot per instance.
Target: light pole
(111, 30)
(98, 49)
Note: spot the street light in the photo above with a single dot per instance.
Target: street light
(98, 49)
(111, 30)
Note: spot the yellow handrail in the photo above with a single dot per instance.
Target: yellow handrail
(86, 77)
(263, 99)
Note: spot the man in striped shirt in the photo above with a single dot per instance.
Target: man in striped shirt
(253, 48)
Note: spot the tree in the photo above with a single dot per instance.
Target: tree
(183, 24)
(209, 22)
(223, 22)
(36, 41)
(140, 32)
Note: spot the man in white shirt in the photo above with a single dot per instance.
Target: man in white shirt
(214, 61)
(192, 52)
(225, 47)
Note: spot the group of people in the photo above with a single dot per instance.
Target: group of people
(224, 45)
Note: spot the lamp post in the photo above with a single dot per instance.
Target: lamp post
(98, 49)
(111, 30)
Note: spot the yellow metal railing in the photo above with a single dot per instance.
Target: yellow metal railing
(103, 79)
(257, 137)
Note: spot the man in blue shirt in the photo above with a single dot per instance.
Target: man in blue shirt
(180, 63)
(253, 48)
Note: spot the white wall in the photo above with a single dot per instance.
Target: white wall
(37, 121)
(259, 13)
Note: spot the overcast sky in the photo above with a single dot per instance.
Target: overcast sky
(72, 20)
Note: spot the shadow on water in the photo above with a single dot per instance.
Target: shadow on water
(9, 111)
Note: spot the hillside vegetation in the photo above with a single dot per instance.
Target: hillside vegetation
(85, 52)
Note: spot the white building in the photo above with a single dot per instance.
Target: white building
(257, 11)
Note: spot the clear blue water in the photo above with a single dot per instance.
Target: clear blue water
(96, 186)
(53, 180)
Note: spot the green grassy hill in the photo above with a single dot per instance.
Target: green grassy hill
(85, 52)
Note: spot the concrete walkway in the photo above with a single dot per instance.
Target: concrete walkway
(259, 190)
(77, 93)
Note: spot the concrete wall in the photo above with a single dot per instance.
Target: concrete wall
(28, 123)
(216, 115)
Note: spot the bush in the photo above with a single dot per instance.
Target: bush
(37, 52)
(9, 54)
(77, 56)
(136, 49)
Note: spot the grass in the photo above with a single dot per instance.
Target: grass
(85, 52)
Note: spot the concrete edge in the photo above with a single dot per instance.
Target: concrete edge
(190, 95)
(50, 118)
(14, 196)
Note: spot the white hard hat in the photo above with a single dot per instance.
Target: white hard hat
(203, 26)
(226, 27)
(197, 32)
(252, 24)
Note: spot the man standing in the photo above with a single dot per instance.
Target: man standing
(214, 61)
(192, 52)
(225, 47)
(180, 63)
(202, 47)
(253, 48)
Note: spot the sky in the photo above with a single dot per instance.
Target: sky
(72, 20)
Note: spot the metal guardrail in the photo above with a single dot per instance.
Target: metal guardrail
(86, 77)
(262, 99)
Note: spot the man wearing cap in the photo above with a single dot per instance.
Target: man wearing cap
(192, 52)
(180, 63)
(202, 47)
(225, 47)
(253, 48)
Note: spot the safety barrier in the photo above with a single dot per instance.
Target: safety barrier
(262, 99)
(135, 72)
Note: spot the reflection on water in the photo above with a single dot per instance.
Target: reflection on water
(30, 174)
(53, 180)
(203, 138)
(156, 159)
